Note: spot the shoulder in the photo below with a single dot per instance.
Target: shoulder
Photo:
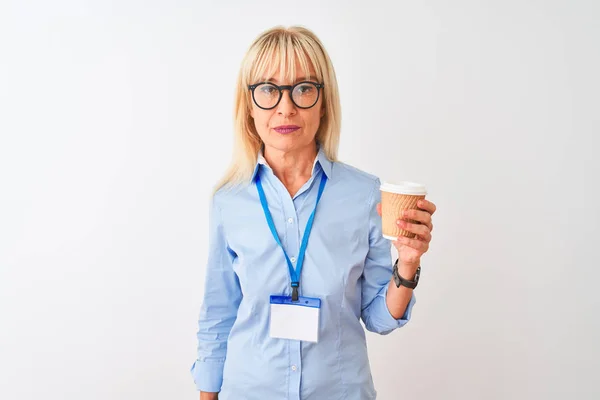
(355, 176)
(230, 196)
(357, 184)
(227, 194)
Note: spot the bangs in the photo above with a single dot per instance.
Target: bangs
(279, 52)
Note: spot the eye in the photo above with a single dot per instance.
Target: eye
(305, 89)
(268, 90)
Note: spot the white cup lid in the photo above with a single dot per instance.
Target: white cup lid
(404, 187)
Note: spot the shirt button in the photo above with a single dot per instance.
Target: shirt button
(293, 259)
(294, 368)
(290, 220)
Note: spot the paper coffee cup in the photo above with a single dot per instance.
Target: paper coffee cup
(394, 199)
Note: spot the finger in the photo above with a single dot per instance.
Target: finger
(427, 205)
(420, 216)
(418, 229)
(416, 244)
(424, 239)
(379, 209)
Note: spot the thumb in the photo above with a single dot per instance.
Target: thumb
(379, 209)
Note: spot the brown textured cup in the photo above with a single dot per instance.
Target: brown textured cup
(396, 198)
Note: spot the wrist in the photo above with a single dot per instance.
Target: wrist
(407, 271)
(407, 276)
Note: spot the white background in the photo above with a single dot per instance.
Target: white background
(116, 120)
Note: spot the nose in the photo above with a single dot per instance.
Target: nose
(286, 106)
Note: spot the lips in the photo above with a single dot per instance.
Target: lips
(285, 129)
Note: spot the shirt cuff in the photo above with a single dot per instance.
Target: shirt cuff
(208, 375)
(387, 321)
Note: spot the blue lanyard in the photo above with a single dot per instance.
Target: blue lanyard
(294, 274)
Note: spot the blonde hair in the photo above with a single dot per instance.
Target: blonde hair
(279, 48)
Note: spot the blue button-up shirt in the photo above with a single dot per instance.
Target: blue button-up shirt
(347, 265)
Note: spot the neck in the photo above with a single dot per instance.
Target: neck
(293, 168)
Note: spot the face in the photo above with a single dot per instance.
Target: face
(286, 127)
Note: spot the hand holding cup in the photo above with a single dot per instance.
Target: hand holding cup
(407, 219)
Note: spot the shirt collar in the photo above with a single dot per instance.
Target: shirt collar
(321, 160)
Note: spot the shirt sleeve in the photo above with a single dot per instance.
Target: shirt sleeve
(376, 277)
(222, 296)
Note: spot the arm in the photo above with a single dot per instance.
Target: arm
(222, 296)
(380, 297)
(398, 298)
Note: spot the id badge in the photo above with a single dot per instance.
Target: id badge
(296, 320)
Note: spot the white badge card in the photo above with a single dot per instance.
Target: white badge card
(296, 320)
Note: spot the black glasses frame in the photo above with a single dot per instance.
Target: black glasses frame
(291, 88)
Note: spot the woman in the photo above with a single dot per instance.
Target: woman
(296, 253)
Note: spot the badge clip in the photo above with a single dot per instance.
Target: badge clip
(294, 291)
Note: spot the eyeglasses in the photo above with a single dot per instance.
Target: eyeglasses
(267, 95)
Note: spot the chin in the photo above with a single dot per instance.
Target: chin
(289, 142)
